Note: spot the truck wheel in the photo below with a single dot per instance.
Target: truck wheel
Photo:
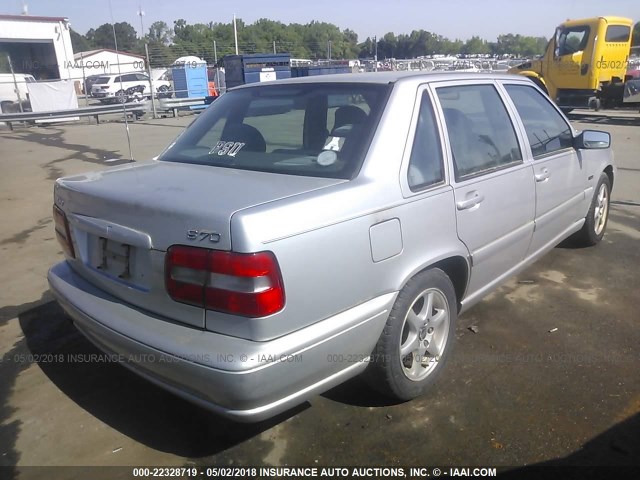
(595, 222)
(595, 104)
(417, 338)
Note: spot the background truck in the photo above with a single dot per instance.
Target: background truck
(585, 64)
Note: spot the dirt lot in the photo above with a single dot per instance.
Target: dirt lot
(514, 394)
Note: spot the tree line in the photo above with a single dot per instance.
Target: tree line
(314, 40)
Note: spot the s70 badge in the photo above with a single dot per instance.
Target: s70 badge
(203, 235)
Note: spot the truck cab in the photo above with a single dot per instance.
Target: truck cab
(583, 58)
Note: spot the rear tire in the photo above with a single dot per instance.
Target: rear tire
(417, 338)
(595, 222)
(121, 96)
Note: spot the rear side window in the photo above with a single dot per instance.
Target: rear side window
(546, 129)
(481, 134)
(426, 163)
(319, 129)
(618, 33)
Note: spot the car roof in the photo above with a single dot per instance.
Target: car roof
(384, 78)
(118, 74)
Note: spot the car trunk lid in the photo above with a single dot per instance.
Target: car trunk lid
(124, 219)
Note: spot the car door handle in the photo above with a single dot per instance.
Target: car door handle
(542, 176)
(475, 198)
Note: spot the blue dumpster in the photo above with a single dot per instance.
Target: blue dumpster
(257, 67)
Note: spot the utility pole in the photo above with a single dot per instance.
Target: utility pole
(153, 103)
(215, 59)
(274, 47)
(15, 84)
(84, 83)
(146, 51)
(375, 55)
(329, 50)
(235, 32)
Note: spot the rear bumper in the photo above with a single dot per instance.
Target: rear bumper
(240, 379)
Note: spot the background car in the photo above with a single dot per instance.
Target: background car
(89, 81)
(126, 87)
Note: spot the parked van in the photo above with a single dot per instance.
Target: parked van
(8, 95)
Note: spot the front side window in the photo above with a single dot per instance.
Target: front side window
(571, 40)
(319, 129)
(481, 134)
(546, 129)
(426, 163)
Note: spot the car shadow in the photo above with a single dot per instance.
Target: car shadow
(134, 407)
(617, 447)
(605, 119)
(356, 392)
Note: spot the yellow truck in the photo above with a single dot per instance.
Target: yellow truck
(585, 63)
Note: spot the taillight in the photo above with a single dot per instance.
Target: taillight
(62, 231)
(247, 284)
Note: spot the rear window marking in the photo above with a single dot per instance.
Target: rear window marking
(230, 149)
(334, 144)
(327, 157)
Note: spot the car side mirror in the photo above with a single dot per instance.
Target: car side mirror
(593, 139)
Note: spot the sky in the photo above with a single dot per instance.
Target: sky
(460, 19)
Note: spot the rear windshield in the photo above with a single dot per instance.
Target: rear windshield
(101, 80)
(319, 129)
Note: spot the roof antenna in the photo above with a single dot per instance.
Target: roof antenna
(124, 109)
(25, 8)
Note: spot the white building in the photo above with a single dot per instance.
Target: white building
(39, 46)
(105, 60)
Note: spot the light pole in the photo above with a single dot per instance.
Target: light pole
(141, 14)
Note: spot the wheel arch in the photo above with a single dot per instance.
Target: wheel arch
(537, 79)
(609, 171)
(456, 267)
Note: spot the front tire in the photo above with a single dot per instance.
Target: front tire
(417, 339)
(595, 222)
(163, 91)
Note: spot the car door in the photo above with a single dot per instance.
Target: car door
(558, 171)
(493, 186)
